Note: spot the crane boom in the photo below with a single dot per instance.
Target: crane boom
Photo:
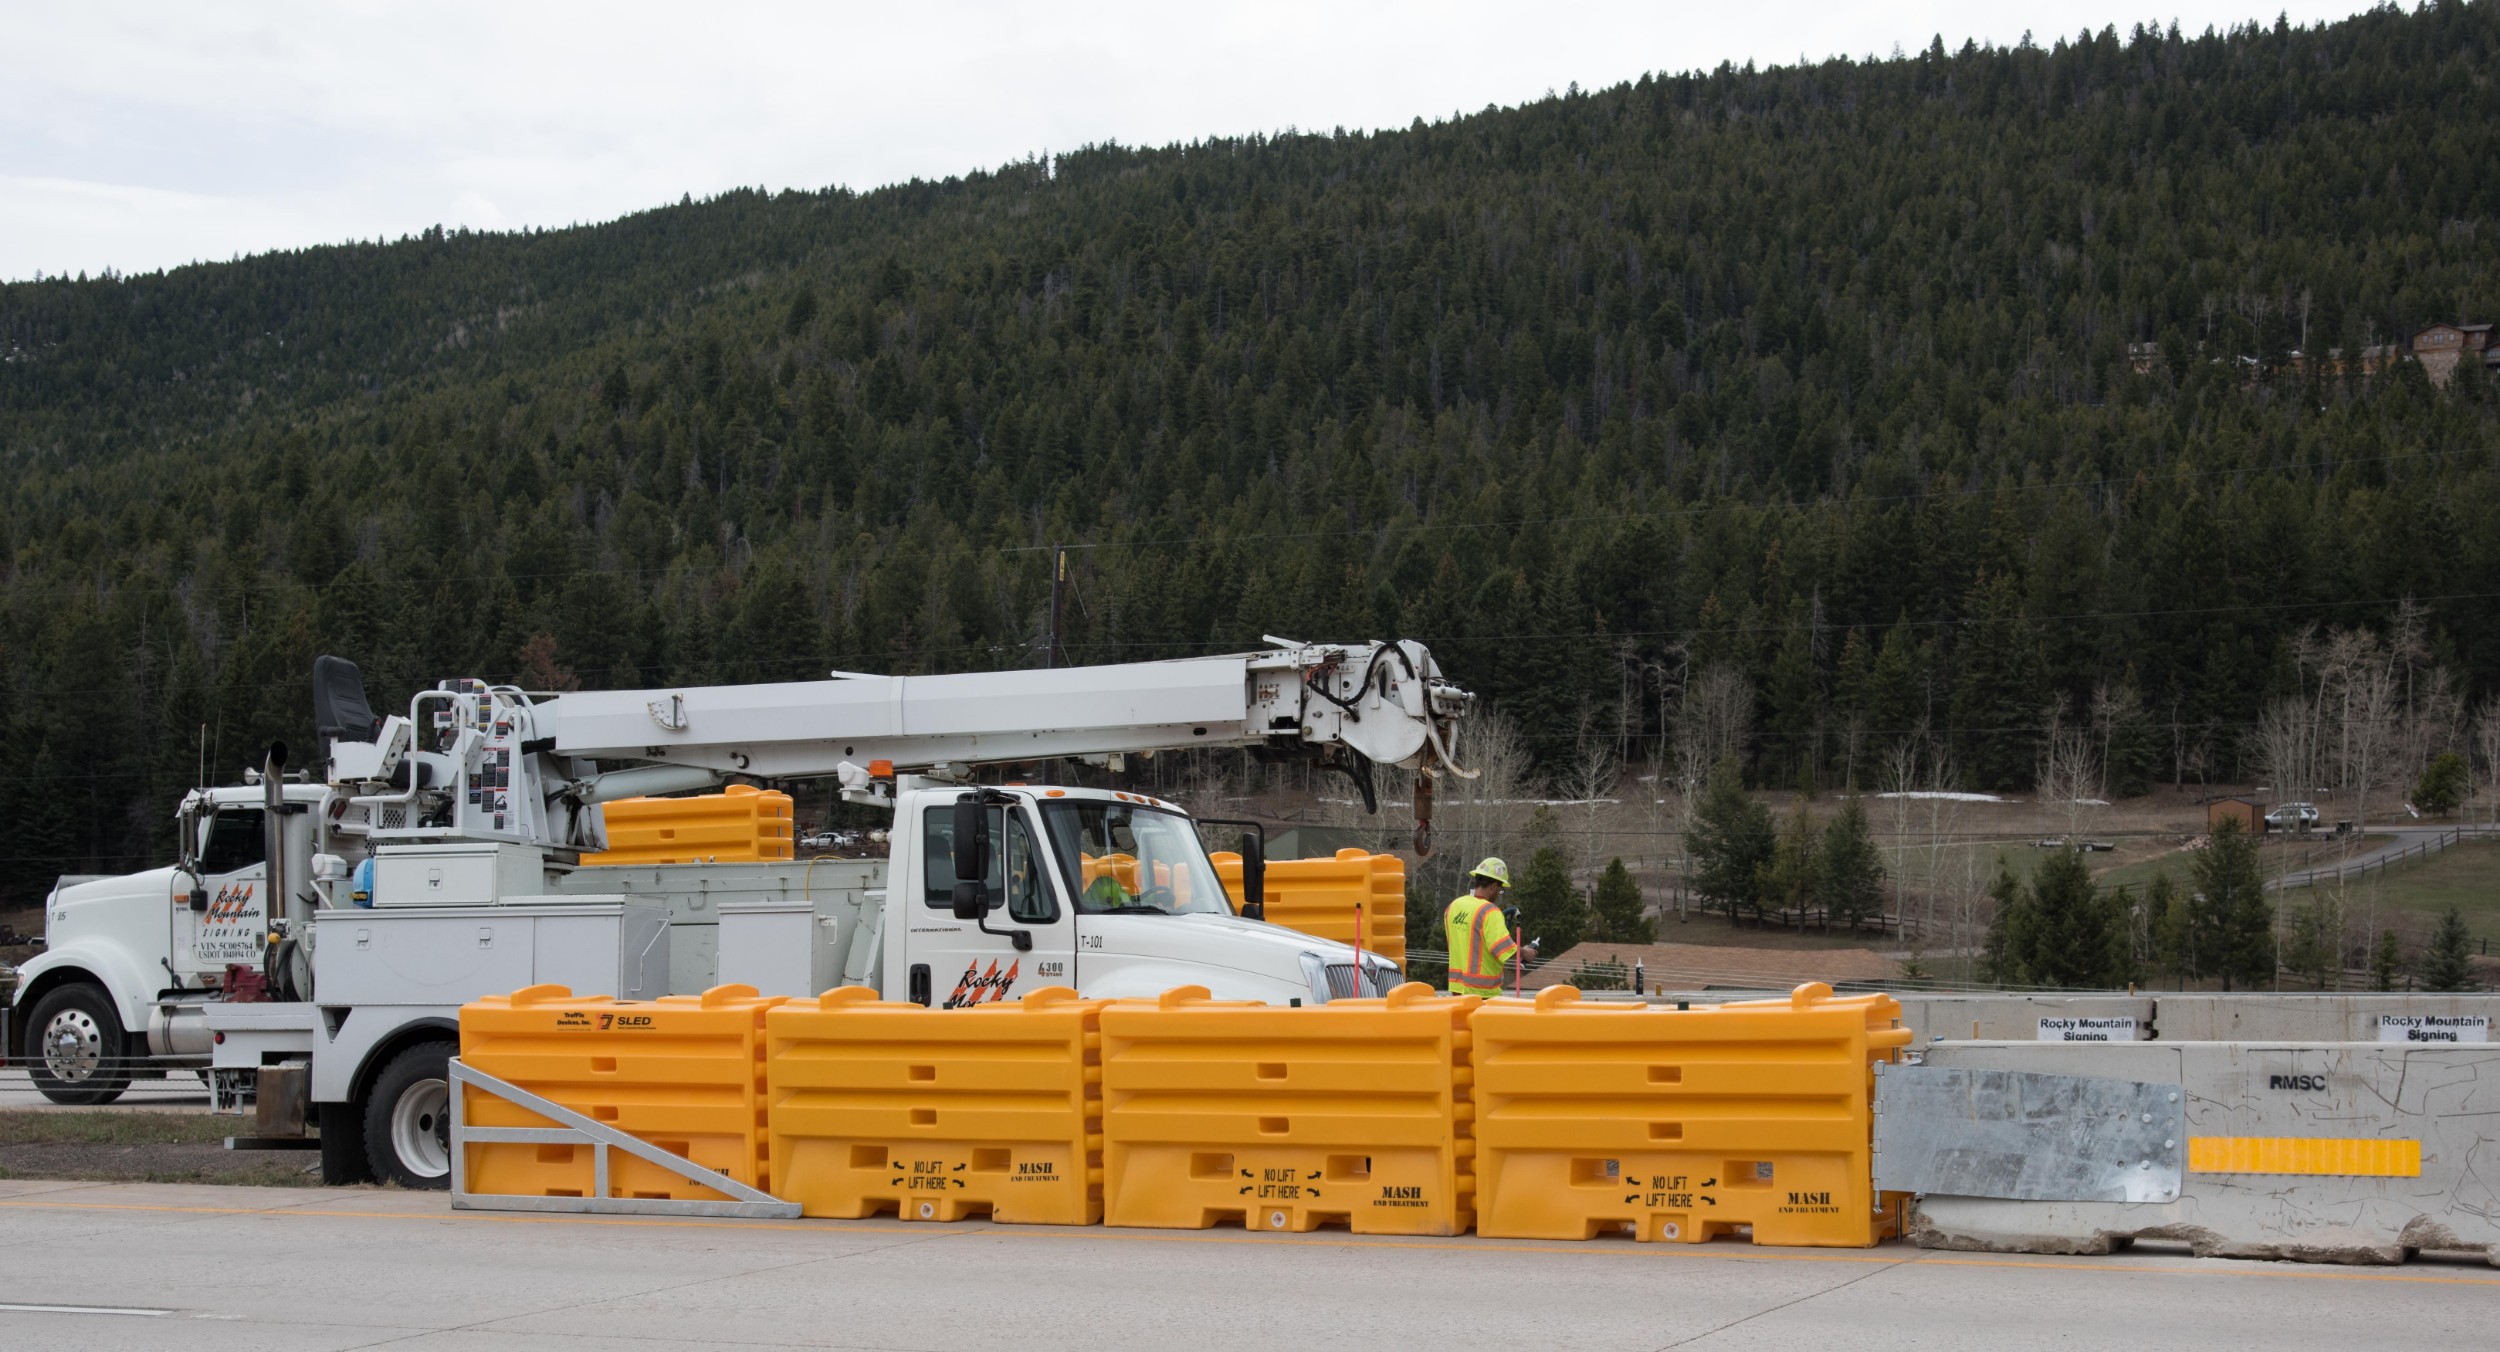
(1386, 701)
(477, 761)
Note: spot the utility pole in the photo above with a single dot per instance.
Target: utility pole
(1049, 769)
(1058, 580)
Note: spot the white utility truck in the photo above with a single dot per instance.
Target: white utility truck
(311, 949)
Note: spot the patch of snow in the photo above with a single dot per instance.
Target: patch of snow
(1948, 797)
(2092, 802)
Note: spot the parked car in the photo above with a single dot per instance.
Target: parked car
(2292, 817)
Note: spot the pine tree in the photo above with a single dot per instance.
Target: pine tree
(2387, 961)
(1792, 877)
(2170, 921)
(2069, 942)
(2447, 965)
(2234, 924)
(1796, 707)
(2001, 690)
(2312, 949)
(1895, 708)
(2120, 965)
(2442, 788)
(1732, 840)
(1852, 678)
(1552, 913)
(1853, 869)
(1619, 914)
(2005, 958)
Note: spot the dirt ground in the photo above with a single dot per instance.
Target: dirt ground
(141, 1147)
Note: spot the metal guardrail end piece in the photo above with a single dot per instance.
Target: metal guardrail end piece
(744, 1202)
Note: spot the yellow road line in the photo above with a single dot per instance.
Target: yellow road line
(1551, 1249)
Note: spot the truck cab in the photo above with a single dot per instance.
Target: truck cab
(130, 961)
(1108, 892)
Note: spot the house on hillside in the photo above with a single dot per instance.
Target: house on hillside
(2441, 346)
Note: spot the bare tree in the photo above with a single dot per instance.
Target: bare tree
(1944, 811)
(1593, 773)
(2368, 735)
(2069, 773)
(1473, 818)
(2434, 711)
(2112, 705)
(1716, 719)
(2284, 745)
(2487, 742)
(1897, 780)
(1713, 720)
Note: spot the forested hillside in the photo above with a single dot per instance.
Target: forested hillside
(1813, 378)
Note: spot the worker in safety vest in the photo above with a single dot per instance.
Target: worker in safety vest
(1480, 941)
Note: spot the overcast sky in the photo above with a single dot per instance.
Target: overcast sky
(142, 136)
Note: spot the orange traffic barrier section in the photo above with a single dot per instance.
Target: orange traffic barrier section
(739, 825)
(683, 1072)
(1321, 896)
(938, 1115)
(1682, 1125)
(1351, 1113)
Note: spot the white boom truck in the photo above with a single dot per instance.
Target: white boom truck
(313, 945)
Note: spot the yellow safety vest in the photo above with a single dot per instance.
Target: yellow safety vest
(1479, 944)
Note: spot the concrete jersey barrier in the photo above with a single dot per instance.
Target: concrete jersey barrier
(2412, 1020)
(2340, 1153)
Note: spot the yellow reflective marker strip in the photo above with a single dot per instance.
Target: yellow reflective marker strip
(2358, 1156)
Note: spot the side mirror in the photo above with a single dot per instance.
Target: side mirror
(1253, 877)
(972, 842)
(972, 900)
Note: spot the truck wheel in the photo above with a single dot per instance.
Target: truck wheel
(76, 1052)
(408, 1118)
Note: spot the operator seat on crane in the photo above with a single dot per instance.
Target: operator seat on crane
(340, 712)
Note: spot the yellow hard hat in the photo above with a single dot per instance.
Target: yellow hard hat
(1492, 868)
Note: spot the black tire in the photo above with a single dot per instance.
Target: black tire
(76, 1051)
(407, 1119)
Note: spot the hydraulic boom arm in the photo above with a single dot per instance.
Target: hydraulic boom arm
(479, 761)
(1385, 701)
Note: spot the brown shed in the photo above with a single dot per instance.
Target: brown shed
(2248, 812)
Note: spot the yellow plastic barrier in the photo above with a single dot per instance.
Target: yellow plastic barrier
(1318, 896)
(938, 1114)
(683, 1072)
(741, 824)
(1681, 1124)
(1353, 1113)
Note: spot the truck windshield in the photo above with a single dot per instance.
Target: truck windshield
(1121, 858)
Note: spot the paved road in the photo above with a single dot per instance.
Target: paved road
(2400, 840)
(275, 1270)
(179, 1092)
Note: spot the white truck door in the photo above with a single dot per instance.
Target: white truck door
(952, 964)
(234, 870)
